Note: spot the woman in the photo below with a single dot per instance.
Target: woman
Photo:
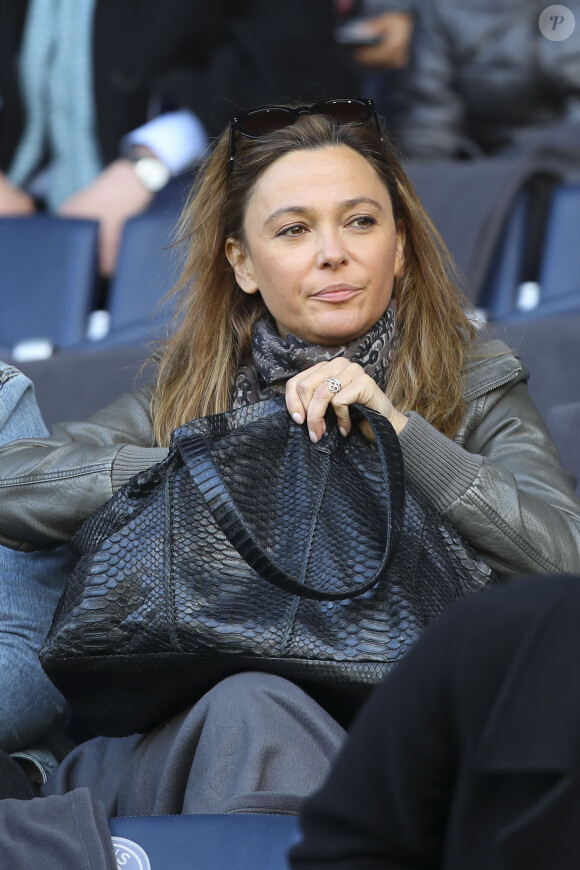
(309, 257)
(311, 269)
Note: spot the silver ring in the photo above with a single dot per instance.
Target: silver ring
(334, 385)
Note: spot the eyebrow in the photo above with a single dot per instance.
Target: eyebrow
(300, 209)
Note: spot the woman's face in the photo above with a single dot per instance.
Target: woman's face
(321, 245)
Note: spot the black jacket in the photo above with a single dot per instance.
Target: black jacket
(466, 758)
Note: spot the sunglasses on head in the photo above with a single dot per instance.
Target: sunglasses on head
(261, 122)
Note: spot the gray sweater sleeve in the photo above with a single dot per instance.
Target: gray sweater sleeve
(504, 489)
(49, 486)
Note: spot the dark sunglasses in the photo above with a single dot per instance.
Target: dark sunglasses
(260, 122)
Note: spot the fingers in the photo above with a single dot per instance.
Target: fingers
(308, 396)
(392, 52)
(363, 391)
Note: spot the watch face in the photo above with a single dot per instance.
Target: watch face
(152, 173)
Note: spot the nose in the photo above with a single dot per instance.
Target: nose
(331, 251)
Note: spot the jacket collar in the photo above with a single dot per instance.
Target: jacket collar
(490, 365)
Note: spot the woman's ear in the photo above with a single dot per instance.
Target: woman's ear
(400, 250)
(241, 263)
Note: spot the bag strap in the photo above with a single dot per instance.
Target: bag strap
(196, 454)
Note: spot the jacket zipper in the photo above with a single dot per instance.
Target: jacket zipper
(494, 386)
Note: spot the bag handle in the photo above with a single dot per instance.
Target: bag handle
(196, 454)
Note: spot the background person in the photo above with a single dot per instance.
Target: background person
(90, 87)
(484, 80)
(384, 62)
(467, 754)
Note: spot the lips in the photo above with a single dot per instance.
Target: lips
(337, 293)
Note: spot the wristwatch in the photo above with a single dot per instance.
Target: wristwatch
(150, 170)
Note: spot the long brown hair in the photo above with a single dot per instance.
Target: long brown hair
(214, 318)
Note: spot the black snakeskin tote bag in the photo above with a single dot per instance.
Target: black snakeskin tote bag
(250, 548)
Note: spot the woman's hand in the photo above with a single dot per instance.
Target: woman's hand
(13, 200)
(308, 396)
(112, 198)
(392, 52)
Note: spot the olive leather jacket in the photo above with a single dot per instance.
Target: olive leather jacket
(500, 481)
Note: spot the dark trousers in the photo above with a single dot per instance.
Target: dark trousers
(253, 743)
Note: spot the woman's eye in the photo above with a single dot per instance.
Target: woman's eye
(363, 221)
(294, 230)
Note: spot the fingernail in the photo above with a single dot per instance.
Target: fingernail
(342, 431)
(313, 436)
(298, 418)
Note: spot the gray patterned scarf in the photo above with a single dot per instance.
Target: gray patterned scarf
(276, 360)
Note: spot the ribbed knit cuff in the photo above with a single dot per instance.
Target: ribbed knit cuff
(441, 468)
(130, 460)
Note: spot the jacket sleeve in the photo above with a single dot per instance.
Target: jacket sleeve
(505, 490)
(433, 122)
(49, 486)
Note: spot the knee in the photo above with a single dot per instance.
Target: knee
(246, 687)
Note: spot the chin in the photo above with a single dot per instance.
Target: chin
(335, 334)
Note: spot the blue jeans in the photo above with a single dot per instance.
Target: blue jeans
(30, 586)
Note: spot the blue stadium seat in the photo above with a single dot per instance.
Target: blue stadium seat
(480, 208)
(557, 290)
(47, 279)
(76, 384)
(550, 348)
(204, 842)
(499, 294)
(560, 272)
(146, 270)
